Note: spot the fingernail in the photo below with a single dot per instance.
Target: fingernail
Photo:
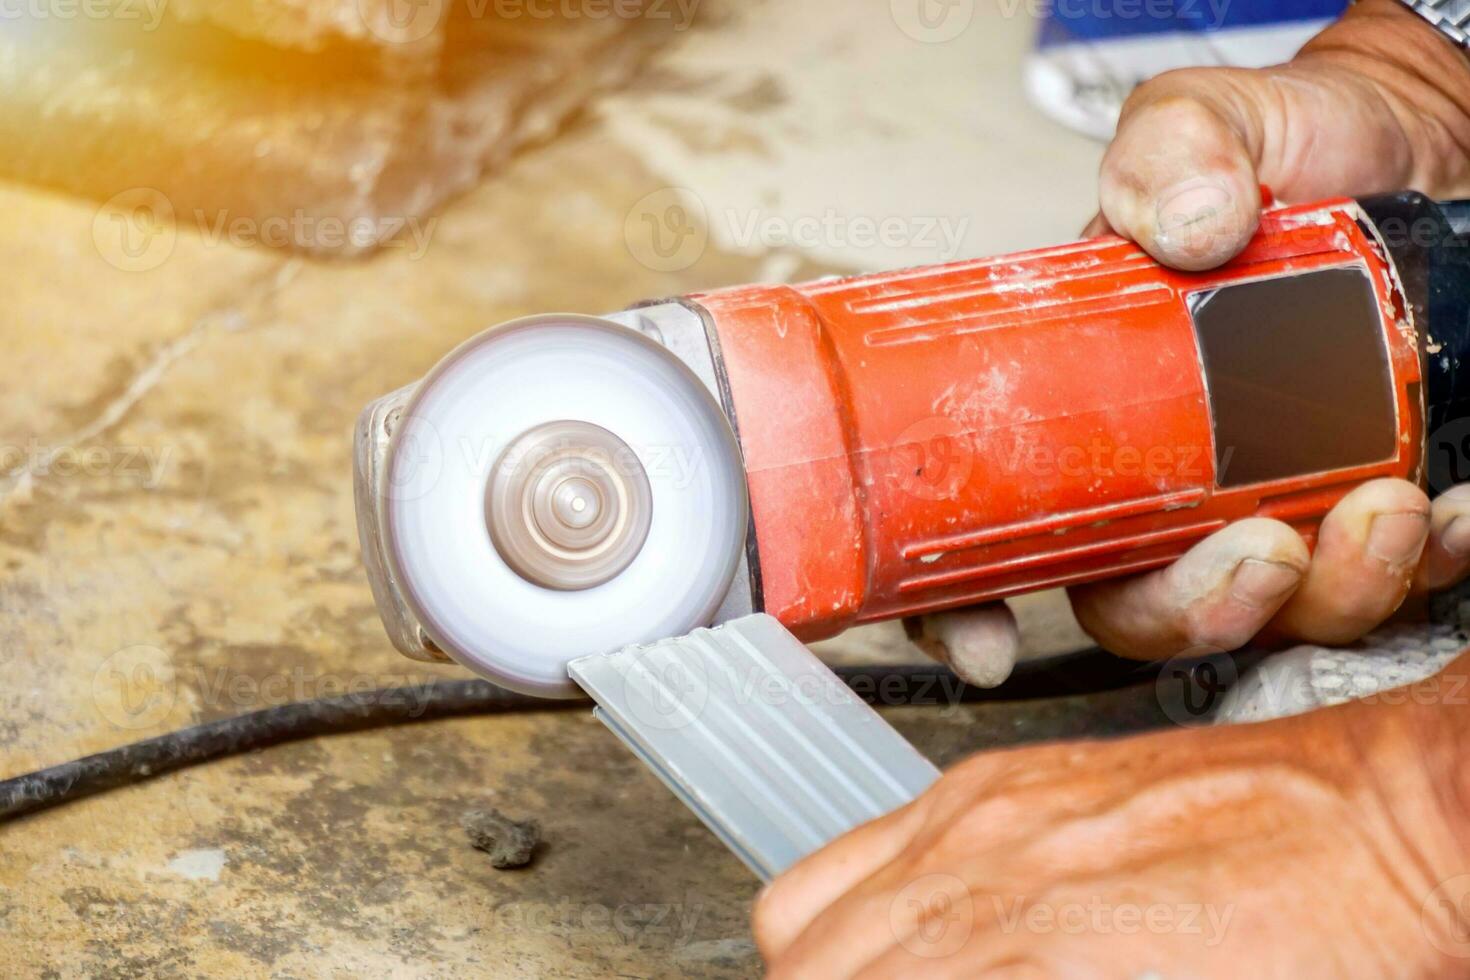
(1196, 219)
(1397, 539)
(984, 666)
(1263, 583)
(980, 648)
(1455, 538)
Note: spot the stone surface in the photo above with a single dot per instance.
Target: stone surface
(1308, 677)
(182, 126)
(177, 543)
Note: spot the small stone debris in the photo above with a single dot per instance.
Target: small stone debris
(509, 843)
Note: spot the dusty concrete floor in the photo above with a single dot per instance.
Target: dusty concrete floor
(177, 539)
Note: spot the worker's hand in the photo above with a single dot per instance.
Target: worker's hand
(1378, 102)
(1331, 844)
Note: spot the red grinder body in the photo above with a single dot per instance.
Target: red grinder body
(931, 438)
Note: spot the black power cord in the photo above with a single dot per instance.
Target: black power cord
(1093, 671)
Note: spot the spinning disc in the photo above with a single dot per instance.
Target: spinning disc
(561, 486)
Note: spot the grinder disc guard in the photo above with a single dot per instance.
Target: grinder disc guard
(561, 486)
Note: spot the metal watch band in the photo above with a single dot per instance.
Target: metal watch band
(1450, 17)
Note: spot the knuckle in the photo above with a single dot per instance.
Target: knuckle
(1387, 494)
(1338, 619)
(1205, 635)
(765, 917)
(1170, 99)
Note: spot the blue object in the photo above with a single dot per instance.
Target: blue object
(1091, 53)
(1071, 21)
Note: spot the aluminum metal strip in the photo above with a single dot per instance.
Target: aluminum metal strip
(757, 736)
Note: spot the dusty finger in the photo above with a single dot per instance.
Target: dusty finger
(1447, 555)
(979, 643)
(791, 902)
(1368, 551)
(1216, 597)
(1180, 180)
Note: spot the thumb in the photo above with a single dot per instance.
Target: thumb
(1375, 103)
(1179, 178)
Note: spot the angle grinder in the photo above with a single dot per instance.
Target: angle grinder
(859, 449)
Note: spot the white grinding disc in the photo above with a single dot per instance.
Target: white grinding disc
(475, 404)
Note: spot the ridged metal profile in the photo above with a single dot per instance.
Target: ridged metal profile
(1450, 17)
(757, 736)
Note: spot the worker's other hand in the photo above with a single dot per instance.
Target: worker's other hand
(1320, 845)
(1378, 102)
